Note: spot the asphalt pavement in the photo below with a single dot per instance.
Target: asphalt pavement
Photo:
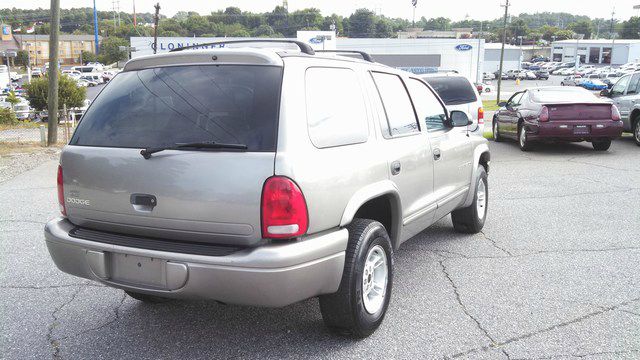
(555, 274)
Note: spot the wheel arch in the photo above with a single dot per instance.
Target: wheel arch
(481, 157)
(381, 202)
(634, 117)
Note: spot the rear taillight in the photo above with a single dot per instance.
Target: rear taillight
(544, 114)
(284, 210)
(60, 182)
(480, 116)
(615, 113)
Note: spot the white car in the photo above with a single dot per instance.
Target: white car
(487, 87)
(86, 83)
(459, 93)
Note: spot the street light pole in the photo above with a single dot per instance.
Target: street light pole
(504, 39)
(52, 136)
(81, 50)
(478, 73)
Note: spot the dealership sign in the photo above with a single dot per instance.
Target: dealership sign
(464, 47)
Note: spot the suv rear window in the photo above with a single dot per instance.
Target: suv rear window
(453, 90)
(162, 106)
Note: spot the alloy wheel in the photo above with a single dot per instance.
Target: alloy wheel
(481, 202)
(374, 279)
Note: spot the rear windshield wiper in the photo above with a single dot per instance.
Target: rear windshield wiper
(146, 153)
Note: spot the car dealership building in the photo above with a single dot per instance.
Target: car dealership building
(615, 52)
(469, 57)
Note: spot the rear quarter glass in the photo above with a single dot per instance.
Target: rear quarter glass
(162, 106)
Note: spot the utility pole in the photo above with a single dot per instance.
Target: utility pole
(156, 19)
(504, 39)
(135, 20)
(479, 76)
(95, 27)
(415, 4)
(52, 136)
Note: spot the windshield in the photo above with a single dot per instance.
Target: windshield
(163, 106)
(453, 90)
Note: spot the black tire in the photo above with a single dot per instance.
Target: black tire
(467, 220)
(601, 145)
(344, 312)
(562, 83)
(523, 142)
(149, 299)
(636, 131)
(496, 133)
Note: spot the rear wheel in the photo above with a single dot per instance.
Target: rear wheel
(523, 141)
(471, 219)
(636, 131)
(149, 299)
(496, 131)
(601, 145)
(359, 305)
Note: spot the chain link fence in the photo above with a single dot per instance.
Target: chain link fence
(32, 128)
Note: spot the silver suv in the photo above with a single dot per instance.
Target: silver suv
(262, 177)
(625, 94)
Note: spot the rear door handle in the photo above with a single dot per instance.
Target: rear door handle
(395, 168)
(437, 154)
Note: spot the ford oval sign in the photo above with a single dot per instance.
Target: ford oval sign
(464, 47)
(316, 40)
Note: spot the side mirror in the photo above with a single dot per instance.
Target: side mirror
(605, 93)
(502, 104)
(459, 118)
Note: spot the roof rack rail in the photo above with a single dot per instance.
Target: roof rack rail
(304, 47)
(364, 55)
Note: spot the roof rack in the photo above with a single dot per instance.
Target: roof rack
(364, 55)
(304, 47)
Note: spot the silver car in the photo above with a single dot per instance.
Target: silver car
(262, 177)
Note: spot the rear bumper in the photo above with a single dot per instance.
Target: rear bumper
(273, 275)
(565, 130)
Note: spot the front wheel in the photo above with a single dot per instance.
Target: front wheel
(601, 145)
(496, 131)
(636, 131)
(470, 220)
(359, 305)
(523, 141)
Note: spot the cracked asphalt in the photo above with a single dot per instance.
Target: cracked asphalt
(554, 275)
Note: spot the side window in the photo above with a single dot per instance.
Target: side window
(336, 112)
(397, 104)
(633, 84)
(515, 99)
(620, 86)
(430, 110)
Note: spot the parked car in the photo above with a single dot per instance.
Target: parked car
(557, 114)
(542, 75)
(458, 93)
(488, 76)
(23, 111)
(262, 178)
(36, 73)
(593, 84)
(540, 58)
(625, 94)
(86, 83)
(488, 87)
(573, 80)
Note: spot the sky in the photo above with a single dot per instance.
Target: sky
(453, 9)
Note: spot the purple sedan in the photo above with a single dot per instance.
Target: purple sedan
(557, 114)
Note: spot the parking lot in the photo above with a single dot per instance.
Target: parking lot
(555, 274)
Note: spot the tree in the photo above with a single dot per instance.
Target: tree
(69, 93)
(362, 24)
(88, 56)
(440, 23)
(264, 31)
(110, 50)
(278, 19)
(197, 25)
(584, 27)
(630, 28)
(384, 29)
(22, 58)
(12, 99)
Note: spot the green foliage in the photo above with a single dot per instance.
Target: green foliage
(7, 117)
(69, 93)
(631, 28)
(584, 27)
(22, 58)
(362, 24)
(88, 56)
(12, 99)
(110, 50)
